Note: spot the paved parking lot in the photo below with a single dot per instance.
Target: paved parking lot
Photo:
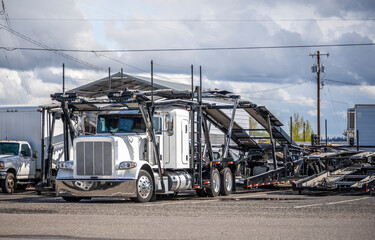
(275, 214)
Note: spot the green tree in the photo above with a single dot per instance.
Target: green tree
(253, 124)
(308, 131)
(297, 128)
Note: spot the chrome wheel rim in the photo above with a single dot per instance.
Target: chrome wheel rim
(144, 186)
(216, 182)
(10, 183)
(228, 180)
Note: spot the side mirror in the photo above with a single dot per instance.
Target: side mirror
(35, 154)
(169, 123)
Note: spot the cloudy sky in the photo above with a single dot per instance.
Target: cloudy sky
(280, 79)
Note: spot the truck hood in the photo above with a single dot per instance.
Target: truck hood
(6, 156)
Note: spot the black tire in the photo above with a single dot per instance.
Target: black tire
(227, 182)
(21, 187)
(214, 189)
(9, 184)
(201, 192)
(72, 199)
(144, 187)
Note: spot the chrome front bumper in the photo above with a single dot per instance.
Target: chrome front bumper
(96, 188)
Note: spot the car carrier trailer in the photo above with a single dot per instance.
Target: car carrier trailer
(345, 171)
(158, 142)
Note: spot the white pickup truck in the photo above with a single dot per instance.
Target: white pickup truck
(17, 159)
(21, 146)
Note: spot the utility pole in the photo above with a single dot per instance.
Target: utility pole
(318, 68)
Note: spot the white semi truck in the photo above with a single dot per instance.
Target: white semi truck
(118, 160)
(22, 146)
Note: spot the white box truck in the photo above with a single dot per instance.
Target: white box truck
(21, 133)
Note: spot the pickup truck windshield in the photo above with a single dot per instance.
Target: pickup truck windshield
(9, 148)
(121, 124)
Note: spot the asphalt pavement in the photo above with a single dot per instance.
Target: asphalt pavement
(259, 214)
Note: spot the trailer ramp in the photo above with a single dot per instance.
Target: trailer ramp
(222, 121)
(261, 114)
(360, 177)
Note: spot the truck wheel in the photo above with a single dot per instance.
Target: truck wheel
(201, 192)
(8, 185)
(144, 187)
(72, 199)
(226, 178)
(214, 189)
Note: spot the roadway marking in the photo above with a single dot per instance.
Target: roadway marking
(332, 203)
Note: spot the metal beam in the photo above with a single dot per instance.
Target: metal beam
(229, 133)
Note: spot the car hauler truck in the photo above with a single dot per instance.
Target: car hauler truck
(22, 146)
(150, 143)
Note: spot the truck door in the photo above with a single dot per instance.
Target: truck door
(28, 163)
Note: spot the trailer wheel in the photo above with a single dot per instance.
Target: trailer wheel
(201, 192)
(144, 187)
(8, 185)
(226, 178)
(72, 199)
(214, 189)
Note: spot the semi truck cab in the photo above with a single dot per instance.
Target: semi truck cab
(119, 160)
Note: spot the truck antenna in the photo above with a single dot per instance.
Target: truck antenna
(152, 82)
(192, 82)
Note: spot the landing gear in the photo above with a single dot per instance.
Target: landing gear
(201, 192)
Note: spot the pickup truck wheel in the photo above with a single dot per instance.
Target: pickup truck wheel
(8, 185)
(72, 199)
(226, 178)
(144, 187)
(214, 189)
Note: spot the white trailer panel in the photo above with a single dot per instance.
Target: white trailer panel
(365, 124)
(24, 124)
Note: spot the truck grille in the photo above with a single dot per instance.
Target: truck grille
(94, 158)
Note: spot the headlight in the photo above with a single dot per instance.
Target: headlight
(1, 165)
(126, 165)
(66, 165)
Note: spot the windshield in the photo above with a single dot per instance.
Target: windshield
(121, 124)
(9, 148)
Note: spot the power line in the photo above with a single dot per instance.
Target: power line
(121, 62)
(46, 48)
(186, 49)
(273, 89)
(3, 8)
(350, 83)
(170, 66)
(197, 20)
(298, 100)
(333, 106)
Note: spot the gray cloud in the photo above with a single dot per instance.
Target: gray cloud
(272, 68)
